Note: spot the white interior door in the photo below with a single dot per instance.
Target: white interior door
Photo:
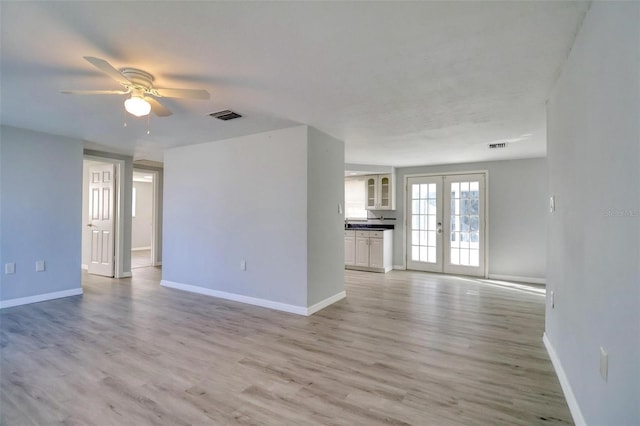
(446, 224)
(424, 225)
(101, 223)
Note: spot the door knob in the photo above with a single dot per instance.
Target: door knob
(89, 225)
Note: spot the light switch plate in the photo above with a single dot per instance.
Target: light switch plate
(552, 204)
(39, 265)
(604, 364)
(10, 268)
(339, 208)
(552, 300)
(243, 265)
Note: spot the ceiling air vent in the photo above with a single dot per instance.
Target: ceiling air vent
(225, 115)
(497, 145)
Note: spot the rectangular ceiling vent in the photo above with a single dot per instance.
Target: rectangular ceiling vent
(497, 145)
(225, 115)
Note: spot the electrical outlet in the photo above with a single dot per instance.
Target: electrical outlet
(243, 265)
(40, 266)
(10, 268)
(604, 364)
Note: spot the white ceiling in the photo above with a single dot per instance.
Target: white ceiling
(402, 83)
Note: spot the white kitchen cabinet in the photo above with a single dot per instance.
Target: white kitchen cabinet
(362, 251)
(349, 247)
(371, 185)
(379, 192)
(376, 252)
(373, 250)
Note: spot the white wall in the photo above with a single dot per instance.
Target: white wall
(270, 199)
(593, 237)
(240, 198)
(325, 255)
(40, 199)
(517, 207)
(141, 224)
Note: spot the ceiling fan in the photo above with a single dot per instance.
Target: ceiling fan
(139, 84)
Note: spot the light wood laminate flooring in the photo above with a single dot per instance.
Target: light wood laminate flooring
(140, 259)
(402, 348)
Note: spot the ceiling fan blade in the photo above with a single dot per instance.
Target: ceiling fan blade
(157, 108)
(182, 93)
(108, 69)
(94, 92)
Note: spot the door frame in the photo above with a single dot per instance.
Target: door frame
(155, 231)
(118, 213)
(405, 216)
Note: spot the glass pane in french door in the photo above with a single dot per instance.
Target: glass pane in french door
(464, 222)
(464, 218)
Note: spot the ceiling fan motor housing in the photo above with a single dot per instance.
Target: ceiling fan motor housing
(138, 77)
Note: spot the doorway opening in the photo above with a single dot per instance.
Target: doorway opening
(144, 217)
(446, 226)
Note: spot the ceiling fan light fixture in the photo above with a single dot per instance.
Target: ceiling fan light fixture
(137, 106)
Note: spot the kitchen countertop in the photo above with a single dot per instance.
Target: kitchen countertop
(363, 227)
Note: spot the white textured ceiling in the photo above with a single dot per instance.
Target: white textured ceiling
(402, 83)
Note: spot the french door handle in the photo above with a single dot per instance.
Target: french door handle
(439, 227)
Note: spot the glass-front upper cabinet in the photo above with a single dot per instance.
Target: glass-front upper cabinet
(384, 201)
(379, 192)
(372, 192)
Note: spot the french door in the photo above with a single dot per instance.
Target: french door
(446, 224)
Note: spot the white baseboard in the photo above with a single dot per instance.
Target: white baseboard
(516, 278)
(125, 275)
(39, 298)
(141, 248)
(574, 408)
(400, 267)
(157, 263)
(368, 268)
(300, 310)
(84, 266)
(326, 302)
